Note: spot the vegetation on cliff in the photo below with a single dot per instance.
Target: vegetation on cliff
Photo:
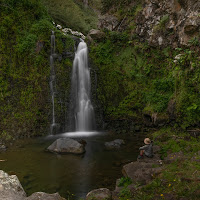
(148, 85)
(25, 31)
(72, 14)
(136, 79)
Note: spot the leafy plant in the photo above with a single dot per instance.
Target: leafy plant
(124, 181)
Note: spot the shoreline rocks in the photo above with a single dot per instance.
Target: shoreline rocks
(99, 194)
(45, 196)
(141, 171)
(10, 187)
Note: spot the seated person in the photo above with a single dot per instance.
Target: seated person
(147, 149)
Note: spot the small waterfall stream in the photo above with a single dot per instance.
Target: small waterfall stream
(82, 109)
(52, 84)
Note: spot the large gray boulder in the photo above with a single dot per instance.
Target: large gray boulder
(99, 194)
(66, 145)
(141, 172)
(10, 187)
(44, 196)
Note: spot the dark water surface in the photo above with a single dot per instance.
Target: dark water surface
(39, 170)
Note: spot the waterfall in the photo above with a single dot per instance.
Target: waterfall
(54, 126)
(82, 109)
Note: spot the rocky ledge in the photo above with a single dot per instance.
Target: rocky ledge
(140, 172)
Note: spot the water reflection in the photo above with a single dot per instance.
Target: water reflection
(39, 170)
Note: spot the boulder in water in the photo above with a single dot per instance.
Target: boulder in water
(66, 145)
(99, 194)
(115, 144)
(10, 187)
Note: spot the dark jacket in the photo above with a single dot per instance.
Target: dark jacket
(148, 149)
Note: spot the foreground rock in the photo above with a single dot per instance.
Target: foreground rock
(44, 196)
(115, 144)
(66, 145)
(140, 172)
(10, 187)
(99, 194)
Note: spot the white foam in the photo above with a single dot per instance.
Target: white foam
(75, 134)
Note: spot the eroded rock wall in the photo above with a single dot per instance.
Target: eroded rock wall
(169, 22)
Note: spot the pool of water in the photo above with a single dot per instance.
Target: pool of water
(69, 174)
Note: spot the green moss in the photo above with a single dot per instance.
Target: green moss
(72, 14)
(24, 67)
(124, 181)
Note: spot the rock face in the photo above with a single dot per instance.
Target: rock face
(10, 187)
(66, 145)
(115, 144)
(108, 22)
(99, 194)
(167, 22)
(44, 196)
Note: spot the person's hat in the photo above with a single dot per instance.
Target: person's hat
(147, 141)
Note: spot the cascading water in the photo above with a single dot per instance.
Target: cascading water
(82, 111)
(52, 83)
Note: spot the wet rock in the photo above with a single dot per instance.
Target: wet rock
(10, 187)
(115, 144)
(66, 145)
(44, 196)
(2, 147)
(99, 194)
(140, 172)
